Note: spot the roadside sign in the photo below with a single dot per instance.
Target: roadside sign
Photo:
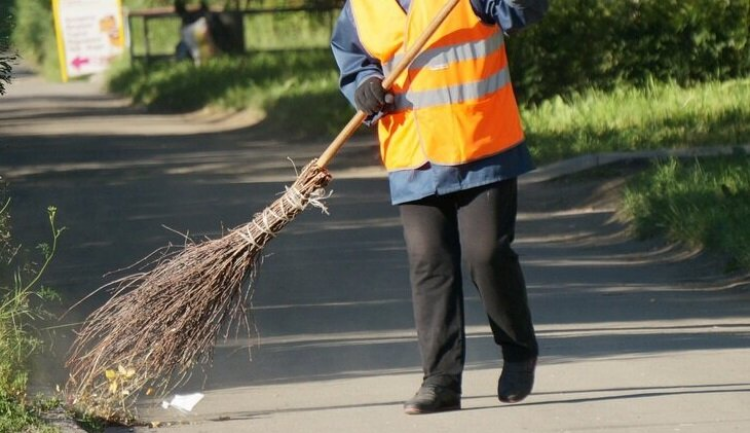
(90, 35)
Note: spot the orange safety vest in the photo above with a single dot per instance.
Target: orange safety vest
(455, 103)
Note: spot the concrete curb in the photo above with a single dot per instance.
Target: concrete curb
(589, 161)
(360, 149)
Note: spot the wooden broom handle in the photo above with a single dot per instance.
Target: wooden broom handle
(351, 127)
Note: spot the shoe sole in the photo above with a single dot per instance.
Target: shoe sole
(512, 399)
(415, 411)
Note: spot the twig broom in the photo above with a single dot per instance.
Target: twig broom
(160, 324)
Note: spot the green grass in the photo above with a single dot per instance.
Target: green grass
(632, 119)
(297, 89)
(301, 86)
(272, 31)
(702, 203)
(22, 299)
(23, 416)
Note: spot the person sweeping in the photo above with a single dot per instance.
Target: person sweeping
(451, 139)
(163, 320)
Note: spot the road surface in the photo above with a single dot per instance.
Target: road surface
(635, 336)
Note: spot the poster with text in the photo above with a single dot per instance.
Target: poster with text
(90, 35)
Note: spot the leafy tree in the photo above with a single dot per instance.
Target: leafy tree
(6, 57)
(6, 68)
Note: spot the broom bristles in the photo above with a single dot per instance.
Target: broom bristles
(160, 324)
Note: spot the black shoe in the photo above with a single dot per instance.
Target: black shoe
(433, 398)
(516, 381)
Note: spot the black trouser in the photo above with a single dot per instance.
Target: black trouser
(478, 225)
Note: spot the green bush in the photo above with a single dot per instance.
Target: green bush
(34, 35)
(600, 43)
(33, 28)
(6, 57)
(6, 13)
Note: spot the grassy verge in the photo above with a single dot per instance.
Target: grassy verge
(632, 119)
(21, 303)
(703, 203)
(301, 87)
(295, 88)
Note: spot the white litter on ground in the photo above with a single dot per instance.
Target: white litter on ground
(183, 403)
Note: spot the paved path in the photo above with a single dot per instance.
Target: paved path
(635, 336)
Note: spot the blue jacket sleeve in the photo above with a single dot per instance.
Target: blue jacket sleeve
(510, 15)
(355, 64)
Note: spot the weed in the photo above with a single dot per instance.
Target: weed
(22, 302)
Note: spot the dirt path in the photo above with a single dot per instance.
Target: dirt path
(635, 336)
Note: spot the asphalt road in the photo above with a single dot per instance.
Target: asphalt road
(635, 336)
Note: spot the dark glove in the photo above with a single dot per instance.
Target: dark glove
(370, 96)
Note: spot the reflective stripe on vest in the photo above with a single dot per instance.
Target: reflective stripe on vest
(440, 56)
(413, 100)
(455, 103)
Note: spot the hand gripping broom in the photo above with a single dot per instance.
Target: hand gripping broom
(161, 323)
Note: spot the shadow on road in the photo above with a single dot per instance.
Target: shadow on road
(332, 300)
